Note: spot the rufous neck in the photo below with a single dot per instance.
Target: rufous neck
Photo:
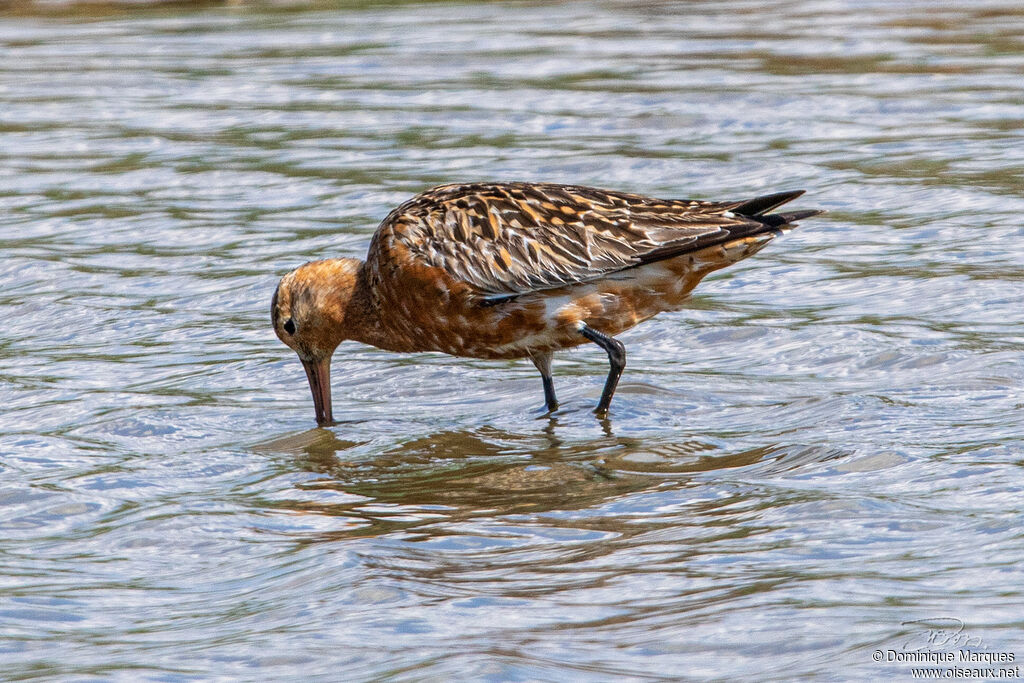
(362, 314)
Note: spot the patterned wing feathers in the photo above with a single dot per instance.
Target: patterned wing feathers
(505, 239)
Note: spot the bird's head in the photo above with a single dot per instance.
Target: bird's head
(308, 313)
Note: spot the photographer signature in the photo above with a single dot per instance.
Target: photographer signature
(940, 633)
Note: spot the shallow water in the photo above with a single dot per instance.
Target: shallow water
(824, 446)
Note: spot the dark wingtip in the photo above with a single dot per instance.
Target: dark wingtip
(776, 220)
(791, 216)
(765, 203)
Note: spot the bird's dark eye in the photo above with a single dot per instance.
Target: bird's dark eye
(289, 326)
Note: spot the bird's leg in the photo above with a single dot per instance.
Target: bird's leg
(543, 362)
(616, 358)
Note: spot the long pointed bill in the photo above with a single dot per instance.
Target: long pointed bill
(318, 372)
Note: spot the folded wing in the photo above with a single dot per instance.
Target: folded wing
(506, 239)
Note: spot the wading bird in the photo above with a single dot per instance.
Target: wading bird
(516, 270)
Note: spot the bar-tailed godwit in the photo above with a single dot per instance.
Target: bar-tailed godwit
(516, 270)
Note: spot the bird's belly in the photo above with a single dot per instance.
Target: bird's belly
(551, 320)
(620, 301)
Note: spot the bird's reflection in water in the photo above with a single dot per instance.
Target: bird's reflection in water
(457, 475)
(468, 470)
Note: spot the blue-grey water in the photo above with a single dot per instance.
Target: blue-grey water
(827, 444)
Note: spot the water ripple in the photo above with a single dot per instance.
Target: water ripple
(823, 446)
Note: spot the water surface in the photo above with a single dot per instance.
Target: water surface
(825, 445)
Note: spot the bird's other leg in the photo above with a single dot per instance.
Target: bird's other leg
(542, 359)
(616, 358)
